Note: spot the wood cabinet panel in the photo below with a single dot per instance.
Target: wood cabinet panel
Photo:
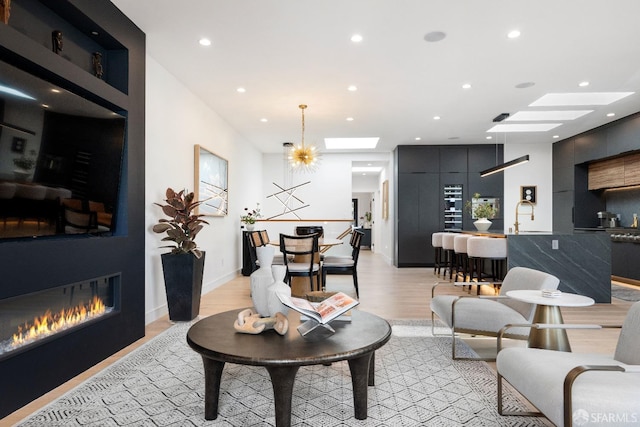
(632, 170)
(606, 174)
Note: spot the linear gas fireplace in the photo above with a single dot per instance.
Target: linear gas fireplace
(31, 319)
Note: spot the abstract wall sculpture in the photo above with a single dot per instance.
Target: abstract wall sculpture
(289, 201)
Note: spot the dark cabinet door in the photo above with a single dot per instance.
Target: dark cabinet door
(563, 162)
(453, 159)
(418, 158)
(418, 217)
(590, 146)
(623, 137)
(563, 212)
(482, 157)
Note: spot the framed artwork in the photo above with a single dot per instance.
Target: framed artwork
(18, 144)
(528, 193)
(385, 199)
(211, 178)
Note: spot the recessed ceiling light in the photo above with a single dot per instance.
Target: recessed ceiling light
(263, 120)
(513, 34)
(418, 138)
(466, 86)
(350, 143)
(611, 114)
(356, 38)
(241, 90)
(95, 33)
(527, 116)
(436, 117)
(583, 84)
(45, 106)
(524, 127)
(204, 42)
(435, 36)
(55, 90)
(586, 98)
(556, 136)
(524, 85)
(352, 88)
(489, 137)
(349, 119)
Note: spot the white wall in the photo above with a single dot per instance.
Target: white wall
(536, 172)
(176, 120)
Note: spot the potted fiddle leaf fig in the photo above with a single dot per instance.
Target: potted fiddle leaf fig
(183, 267)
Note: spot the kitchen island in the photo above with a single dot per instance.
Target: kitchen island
(582, 262)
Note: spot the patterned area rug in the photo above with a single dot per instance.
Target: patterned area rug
(625, 293)
(162, 384)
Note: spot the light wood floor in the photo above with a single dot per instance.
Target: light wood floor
(387, 291)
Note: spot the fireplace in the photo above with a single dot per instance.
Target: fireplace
(32, 319)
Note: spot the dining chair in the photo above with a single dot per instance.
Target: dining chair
(344, 265)
(304, 251)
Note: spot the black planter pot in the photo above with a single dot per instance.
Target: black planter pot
(183, 284)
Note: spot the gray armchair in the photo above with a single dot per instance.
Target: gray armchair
(487, 315)
(585, 389)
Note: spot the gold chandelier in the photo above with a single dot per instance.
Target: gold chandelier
(303, 157)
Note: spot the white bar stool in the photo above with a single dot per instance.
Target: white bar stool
(436, 242)
(449, 254)
(462, 259)
(480, 249)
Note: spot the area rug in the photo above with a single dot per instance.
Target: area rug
(625, 293)
(162, 384)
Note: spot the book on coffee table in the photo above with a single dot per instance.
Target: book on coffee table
(323, 312)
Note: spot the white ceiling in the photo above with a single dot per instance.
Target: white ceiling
(291, 52)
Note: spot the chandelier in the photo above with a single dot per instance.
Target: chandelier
(303, 157)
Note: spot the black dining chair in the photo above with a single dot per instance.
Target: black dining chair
(345, 265)
(301, 257)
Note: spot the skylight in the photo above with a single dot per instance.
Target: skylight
(350, 143)
(582, 98)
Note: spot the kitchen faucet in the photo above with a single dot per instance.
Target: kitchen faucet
(521, 202)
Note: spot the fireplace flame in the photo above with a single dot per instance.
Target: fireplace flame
(50, 323)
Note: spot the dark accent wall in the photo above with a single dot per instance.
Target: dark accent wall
(422, 171)
(34, 265)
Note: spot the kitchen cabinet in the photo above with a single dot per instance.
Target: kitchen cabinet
(563, 211)
(563, 163)
(418, 158)
(632, 170)
(623, 136)
(606, 174)
(590, 146)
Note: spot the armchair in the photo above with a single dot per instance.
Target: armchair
(487, 315)
(574, 387)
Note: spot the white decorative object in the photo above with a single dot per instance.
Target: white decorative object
(265, 256)
(260, 280)
(482, 224)
(249, 227)
(278, 285)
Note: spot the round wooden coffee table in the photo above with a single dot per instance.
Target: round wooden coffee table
(215, 339)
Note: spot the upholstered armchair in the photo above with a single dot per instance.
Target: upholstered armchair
(486, 315)
(574, 388)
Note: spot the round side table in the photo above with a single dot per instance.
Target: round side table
(548, 311)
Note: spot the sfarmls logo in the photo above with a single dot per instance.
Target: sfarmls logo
(583, 418)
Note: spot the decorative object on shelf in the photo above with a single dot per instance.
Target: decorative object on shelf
(211, 178)
(183, 267)
(250, 217)
(278, 286)
(303, 157)
(56, 41)
(24, 166)
(528, 193)
(249, 322)
(5, 10)
(96, 60)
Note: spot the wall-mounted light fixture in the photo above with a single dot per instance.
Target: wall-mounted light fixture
(500, 168)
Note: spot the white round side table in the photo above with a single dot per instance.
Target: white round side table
(548, 311)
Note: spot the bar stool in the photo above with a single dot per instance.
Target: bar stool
(449, 254)
(462, 259)
(480, 249)
(436, 242)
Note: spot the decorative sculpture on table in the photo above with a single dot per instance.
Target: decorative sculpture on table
(249, 322)
(56, 41)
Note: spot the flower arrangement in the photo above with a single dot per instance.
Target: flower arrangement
(25, 163)
(183, 226)
(250, 217)
(481, 210)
